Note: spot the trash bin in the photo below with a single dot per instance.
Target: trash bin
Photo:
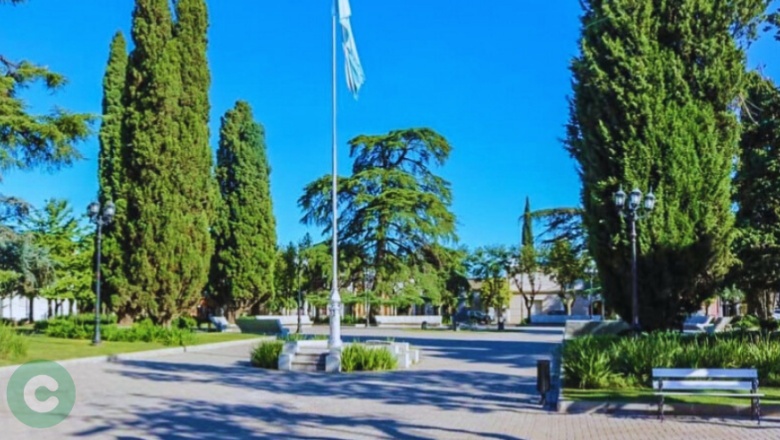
(501, 325)
(543, 379)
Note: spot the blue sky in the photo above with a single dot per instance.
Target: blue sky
(491, 76)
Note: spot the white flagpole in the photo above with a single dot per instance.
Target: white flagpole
(334, 341)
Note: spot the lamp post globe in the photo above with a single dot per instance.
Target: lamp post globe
(634, 210)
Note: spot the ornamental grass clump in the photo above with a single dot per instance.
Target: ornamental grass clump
(612, 362)
(266, 355)
(12, 345)
(358, 357)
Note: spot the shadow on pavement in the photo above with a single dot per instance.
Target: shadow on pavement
(187, 419)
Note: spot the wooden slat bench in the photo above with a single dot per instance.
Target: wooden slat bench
(719, 382)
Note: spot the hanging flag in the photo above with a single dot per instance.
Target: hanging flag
(353, 69)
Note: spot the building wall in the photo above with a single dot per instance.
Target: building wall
(18, 307)
(544, 303)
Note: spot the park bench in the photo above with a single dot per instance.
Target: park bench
(263, 326)
(219, 322)
(719, 382)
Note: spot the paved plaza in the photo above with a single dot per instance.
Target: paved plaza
(469, 385)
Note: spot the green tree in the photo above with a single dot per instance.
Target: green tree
(525, 270)
(654, 85)
(167, 239)
(757, 195)
(566, 267)
(242, 273)
(489, 266)
(33, 265)
(195, 156)
(56, 230)
(110, 171)
(28, 140)
(391, 207)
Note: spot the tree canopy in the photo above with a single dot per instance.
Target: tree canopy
(653, 88)
(394, 210)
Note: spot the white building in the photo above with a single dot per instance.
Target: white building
(546, 300)
(18, 308)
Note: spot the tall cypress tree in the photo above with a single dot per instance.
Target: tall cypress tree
(757, 193)
(110, 165)
(158, 236)
(195, 155)
(527, 236)
(242, 272)
(653, 85)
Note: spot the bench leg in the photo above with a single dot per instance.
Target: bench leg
(758, 410)
(661, 408)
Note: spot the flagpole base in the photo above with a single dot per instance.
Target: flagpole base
(334, 339)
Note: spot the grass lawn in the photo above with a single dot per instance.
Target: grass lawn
(55, 349)
(645, 395)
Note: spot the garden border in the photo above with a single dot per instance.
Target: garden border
(147, 353)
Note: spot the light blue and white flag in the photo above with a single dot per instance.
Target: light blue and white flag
(353, 69)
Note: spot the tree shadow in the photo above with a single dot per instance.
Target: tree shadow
(495, 352)
(187, 419)
(474, 389)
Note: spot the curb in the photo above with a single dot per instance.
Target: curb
(670, 409)
(148, 353)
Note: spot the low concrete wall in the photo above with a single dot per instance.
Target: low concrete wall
(290, 322)
(404, 354)
(261, 325)
(407, 321)
(561, 319)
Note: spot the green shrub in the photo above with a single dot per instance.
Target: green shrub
(185, 322)
(266, 355)
(358, 357)
(142, 331)
(769, 325)
(83, 319)
(12, 345)
(745, 322)
(618, 362)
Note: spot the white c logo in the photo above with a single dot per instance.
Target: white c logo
(32, 401)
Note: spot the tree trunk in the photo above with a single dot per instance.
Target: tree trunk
(231, 313)
(32, 315)
(759, 304)
(125, 319)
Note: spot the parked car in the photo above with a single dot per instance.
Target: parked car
(479, 317)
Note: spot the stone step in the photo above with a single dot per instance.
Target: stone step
(311, 353)
(303, 358)
(308, 367)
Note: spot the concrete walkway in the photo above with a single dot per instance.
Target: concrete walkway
(469, 385)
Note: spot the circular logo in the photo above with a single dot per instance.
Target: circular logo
(41, 394)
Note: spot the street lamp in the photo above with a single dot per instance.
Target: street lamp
(99, 218)
(591, 270)
(298, 263)
(631, 210)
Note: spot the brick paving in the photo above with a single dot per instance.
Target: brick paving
(468, 386)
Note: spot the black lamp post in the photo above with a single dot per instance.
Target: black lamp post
(298, 263)
(99, 218)
(631, 210)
